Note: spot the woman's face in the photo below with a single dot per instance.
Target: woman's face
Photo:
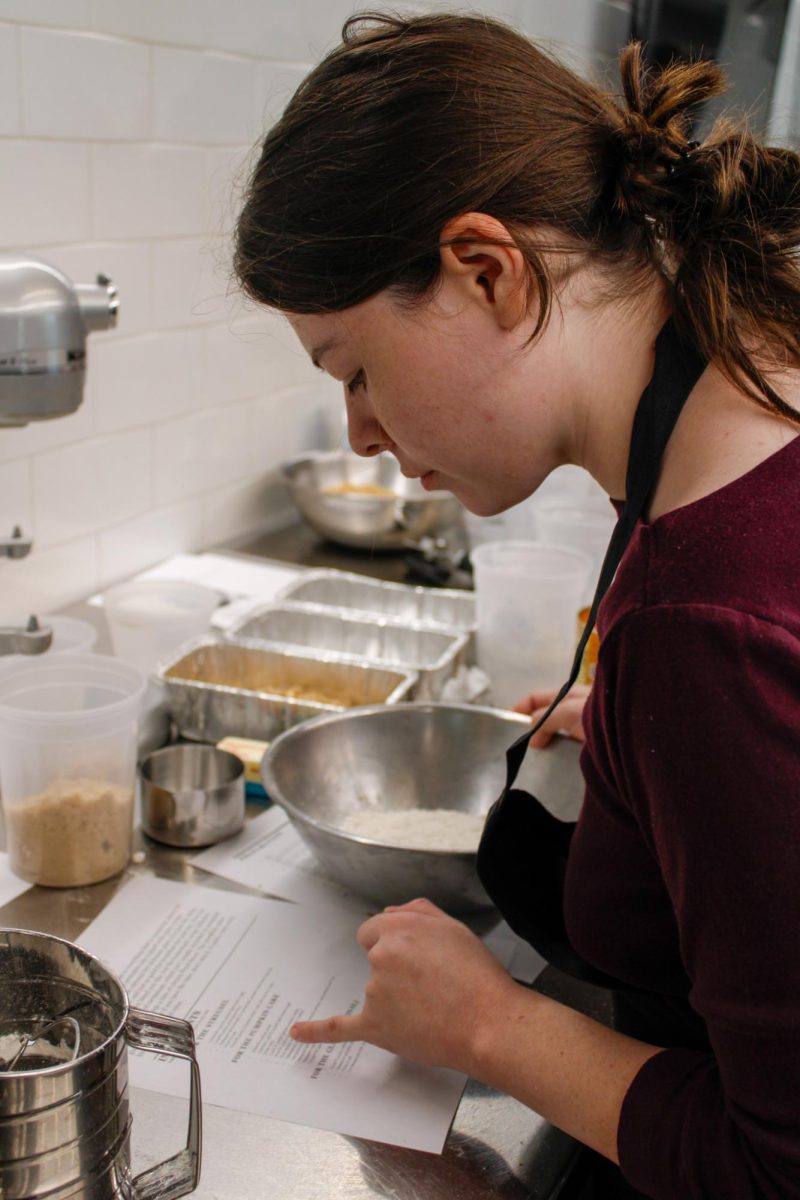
(462, 403)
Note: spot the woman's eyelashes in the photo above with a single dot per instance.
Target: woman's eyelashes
(358, 380)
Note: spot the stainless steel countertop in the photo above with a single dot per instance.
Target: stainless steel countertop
(497, 1149)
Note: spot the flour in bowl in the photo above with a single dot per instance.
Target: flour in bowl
(419, 828)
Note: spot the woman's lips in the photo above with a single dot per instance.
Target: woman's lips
(427, 480)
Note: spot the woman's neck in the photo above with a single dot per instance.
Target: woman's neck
(719, 436)
(615, 345)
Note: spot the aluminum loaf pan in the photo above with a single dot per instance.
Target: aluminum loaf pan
(216, 688)
(432, 653)
(422, 607)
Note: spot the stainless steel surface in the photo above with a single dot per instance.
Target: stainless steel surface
(434, 654)
(191, 795)
(422, 607)
(216, 688)
(302, 546)
(155, 723)
(64, 1117)
(44, 320)
(497, 1149)
(33, 639)
(412, 755)
(376, 522)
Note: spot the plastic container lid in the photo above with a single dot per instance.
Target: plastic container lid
(70, 696)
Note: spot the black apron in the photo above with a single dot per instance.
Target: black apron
(522, 857)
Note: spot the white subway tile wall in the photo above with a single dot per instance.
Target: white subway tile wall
(90, 485)
(16, 492)
(9, 87)
(203, 97)
(147, 379)
(45, 192)
(84, 85)
(126, 131)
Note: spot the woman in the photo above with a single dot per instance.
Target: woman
(504, 266)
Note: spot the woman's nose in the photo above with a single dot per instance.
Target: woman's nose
(364, 432)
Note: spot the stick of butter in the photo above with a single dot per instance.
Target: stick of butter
(250, 752)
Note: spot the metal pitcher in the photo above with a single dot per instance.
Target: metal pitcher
(65, 1028)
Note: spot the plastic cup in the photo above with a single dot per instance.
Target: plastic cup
(68, 741)
(585, 527)
(149, 618)
(528, 595)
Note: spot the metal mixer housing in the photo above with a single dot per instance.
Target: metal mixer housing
(44, 321)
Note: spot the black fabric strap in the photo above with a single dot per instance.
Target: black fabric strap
(678, 366)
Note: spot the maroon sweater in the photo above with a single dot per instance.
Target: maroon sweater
(684, 871)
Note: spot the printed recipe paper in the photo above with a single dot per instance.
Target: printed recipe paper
(242, 969)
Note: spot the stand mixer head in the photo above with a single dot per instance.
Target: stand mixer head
(44, 321)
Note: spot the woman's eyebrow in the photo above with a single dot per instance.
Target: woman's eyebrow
(319, 352)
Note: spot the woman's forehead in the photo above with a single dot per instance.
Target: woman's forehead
(328, 335)
(319, 334)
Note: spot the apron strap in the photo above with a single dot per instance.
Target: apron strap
(678, 366)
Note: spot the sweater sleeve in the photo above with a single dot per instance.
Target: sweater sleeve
(706, 705)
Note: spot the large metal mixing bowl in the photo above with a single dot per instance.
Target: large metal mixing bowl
(408, 755)
(399, 513)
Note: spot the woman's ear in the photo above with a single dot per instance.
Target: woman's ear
(479, 255)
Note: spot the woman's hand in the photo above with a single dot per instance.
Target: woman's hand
(567, 718)
(438, 997)
(432, 986)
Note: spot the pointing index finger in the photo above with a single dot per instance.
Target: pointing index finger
(331, 1029)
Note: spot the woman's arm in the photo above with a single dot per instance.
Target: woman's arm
(437, 996)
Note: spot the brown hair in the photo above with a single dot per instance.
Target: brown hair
(410, 122)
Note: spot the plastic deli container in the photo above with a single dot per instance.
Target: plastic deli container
(528, 596)
(149, 618)
(68, 739)
(583, 527)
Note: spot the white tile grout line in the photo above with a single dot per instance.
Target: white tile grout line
(162, 45)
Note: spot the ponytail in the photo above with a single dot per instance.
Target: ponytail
(722, 219)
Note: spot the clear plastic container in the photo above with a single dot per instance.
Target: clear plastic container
(528, 595)
(585, 527)
(149, 618)
(68, 740)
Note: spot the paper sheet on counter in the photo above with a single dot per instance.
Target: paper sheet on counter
(271, 857)
(243, 969)
(11, 885)
(234, 578)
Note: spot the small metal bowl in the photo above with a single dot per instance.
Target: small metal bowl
(449, 756)
(401, 512)
(192, 795)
